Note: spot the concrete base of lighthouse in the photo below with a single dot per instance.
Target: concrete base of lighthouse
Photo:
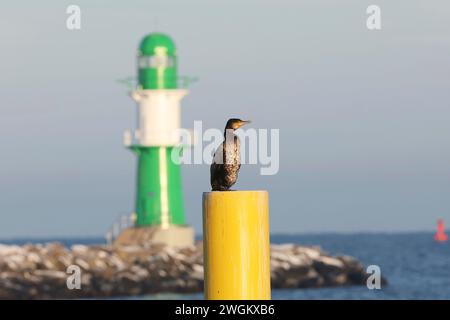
(172, 236)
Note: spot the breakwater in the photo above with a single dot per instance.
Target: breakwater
(42, 271)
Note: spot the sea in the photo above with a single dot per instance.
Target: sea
(415, 266)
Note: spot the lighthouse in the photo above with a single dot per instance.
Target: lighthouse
(159, 209)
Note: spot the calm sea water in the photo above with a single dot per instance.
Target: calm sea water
(415, 266)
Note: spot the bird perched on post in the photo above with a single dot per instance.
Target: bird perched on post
(227, 160)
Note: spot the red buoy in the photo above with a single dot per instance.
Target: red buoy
(440, 235)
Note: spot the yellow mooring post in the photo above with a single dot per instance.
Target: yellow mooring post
(236, 245)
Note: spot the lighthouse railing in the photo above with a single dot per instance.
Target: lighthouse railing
(122, 222)
(132, 83)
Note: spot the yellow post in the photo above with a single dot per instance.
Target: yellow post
(236, 245)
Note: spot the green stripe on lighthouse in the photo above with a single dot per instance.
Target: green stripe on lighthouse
(159, 197)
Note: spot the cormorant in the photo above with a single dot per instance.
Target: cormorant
(227, 160)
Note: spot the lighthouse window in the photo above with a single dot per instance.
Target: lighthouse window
(157, 61)
(143, 62)
(160, 61)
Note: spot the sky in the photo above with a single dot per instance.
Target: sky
(363, 115)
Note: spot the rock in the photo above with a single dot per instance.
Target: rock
(79, 249)
(325, 264)
(50, 274)
(38, 271)
(82, 264)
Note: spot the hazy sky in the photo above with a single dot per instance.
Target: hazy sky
(363, 115)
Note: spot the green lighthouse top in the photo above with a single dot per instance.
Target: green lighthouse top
(157, 62)
(151, 42)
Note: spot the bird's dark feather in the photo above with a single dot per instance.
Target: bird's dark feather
(224, 175)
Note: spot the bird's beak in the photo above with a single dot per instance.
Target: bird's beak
(243, 123)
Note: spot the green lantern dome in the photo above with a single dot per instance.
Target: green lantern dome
(157, 62)
(155, 40)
